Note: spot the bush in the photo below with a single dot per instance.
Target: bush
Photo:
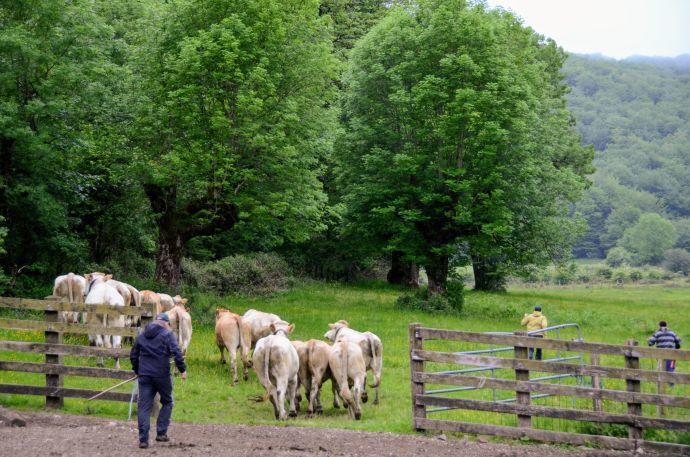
(620, 275)
(565, 274)
(677, 261)
(249, 274)
(617, 257)
(635, 274)
(450, 302)
(604, 272)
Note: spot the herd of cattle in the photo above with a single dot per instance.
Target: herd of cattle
(101, 289)
(281, 365)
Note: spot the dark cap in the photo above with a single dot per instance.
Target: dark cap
(662, 324)
(163, 317)
(537, 308)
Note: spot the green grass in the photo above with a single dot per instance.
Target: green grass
(610, 315)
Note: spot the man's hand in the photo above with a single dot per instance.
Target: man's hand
(184, 376)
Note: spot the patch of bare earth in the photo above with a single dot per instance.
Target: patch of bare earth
(52, 434)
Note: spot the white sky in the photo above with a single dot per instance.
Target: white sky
(615, 28)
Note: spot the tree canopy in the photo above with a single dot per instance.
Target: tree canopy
(458, 138)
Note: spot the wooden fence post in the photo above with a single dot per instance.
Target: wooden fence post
(523, 398)
(634, 432)
(416, 366)
(53, 381)
(596, 382)
(660, 386)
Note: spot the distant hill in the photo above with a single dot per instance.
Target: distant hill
(636, 113)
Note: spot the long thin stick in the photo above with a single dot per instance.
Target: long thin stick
(111, 388)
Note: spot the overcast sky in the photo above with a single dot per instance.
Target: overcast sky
(615, 28)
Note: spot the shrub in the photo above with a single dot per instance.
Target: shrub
(635, 274)
(677, 261)
(450, 302)
(620, 274)
(617, 257)
(604, 272)
(566, 273)
(248, 274)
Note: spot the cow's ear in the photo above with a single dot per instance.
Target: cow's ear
(88, 277)
(344, 322)
(291, 327)
(217, 311)
(331, 326)
(108, 277)
(273, 328)
(184, 301)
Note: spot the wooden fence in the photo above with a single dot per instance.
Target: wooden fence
(519, 366)
(55, 349)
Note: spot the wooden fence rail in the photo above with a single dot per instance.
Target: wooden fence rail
(54, 348)
(519, 367)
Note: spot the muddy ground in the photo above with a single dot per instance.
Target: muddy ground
(48, 434)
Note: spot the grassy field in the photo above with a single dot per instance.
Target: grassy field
(610, 315)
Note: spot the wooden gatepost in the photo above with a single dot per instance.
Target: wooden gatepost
(515, 378)
(55, 348)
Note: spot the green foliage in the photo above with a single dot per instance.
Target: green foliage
(259, 273)
(683, 229)
(649, 238)
(677, 261)
(458, 134)
(236, 114)
(617, 257)
(636, 116)
(448, 302)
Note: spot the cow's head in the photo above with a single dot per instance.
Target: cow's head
(282, 326)
(179, 301)
(334, 329)
(94, 278)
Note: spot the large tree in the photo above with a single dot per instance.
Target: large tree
(459, 138)
(235, 118)
(57, 84)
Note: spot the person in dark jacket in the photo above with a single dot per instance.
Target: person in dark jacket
(666, 338)
(150, 358)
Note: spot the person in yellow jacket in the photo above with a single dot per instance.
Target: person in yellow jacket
(535, 321)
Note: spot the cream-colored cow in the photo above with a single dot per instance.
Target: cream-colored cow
(348, 369)
(314, 370)
(256, 325)
(73, 288)
(277, 365)
(229, 336)
(181, 323)
(372, 349)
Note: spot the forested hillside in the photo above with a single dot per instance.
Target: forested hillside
(637, 115)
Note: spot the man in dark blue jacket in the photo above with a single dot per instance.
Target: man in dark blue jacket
(150, 358)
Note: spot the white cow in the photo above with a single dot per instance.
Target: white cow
(98, 292)
(130, 295)
(256, 325)
(166, 303)
(181, 323)
(348, 369)
(277, 365)
(372, 349)
(73, 288)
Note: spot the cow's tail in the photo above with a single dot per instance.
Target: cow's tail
(245, 341)
(137, 298)
(266, 367)
(375, 359)
(70, 291)
(344, 385)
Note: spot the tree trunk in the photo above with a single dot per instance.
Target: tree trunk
(488, 274)
(402, 272)
(169, 257)
(437, 272)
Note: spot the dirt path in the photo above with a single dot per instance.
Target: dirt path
(68, 435)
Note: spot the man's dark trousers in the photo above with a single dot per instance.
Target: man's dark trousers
(149, 386)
